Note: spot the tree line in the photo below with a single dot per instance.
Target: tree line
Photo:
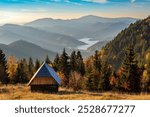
(92, 74)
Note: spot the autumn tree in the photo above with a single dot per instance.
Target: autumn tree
(12, 66)
(76, 81)
(146, 75)
(3, 69)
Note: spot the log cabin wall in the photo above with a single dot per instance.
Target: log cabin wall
(44, 88)
(43, 81)
(44, 84)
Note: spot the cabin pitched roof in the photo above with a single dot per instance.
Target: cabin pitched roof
(46, 71)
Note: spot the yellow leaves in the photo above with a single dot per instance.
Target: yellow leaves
(148, 56)
(102, 53)
(12, 66)
(112, 81)
(145, 74)
(114, 56)
(62, 76)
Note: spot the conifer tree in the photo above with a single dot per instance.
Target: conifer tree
(65, 67)
(97, 62)
(90, 79)
(21, 75)
(131, 75)
(80, 64)
(37, 64)
(73, 61)
(3, 69)
(104, 84)
(47, 60)
(56, 63)
(30, 67)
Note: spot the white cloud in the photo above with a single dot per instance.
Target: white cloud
(133, 1)
(96, 1)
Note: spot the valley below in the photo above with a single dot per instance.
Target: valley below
(88, 43)
(49, 36)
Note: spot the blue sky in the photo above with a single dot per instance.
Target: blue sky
(21, 11)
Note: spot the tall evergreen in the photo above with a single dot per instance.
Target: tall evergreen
(73, 61)
(65, 67)
(104, 84)
(21, 75)
(131, 75)
(56, 63)
(3, 69)
(89, 84)
(97, 62)
(30, 67)
(37, 64)
(47, 60)
(80, 64)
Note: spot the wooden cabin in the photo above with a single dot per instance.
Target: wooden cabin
(45, 80)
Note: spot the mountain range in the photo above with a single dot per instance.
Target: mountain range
(97, 28)
(22, 49)
(52, 35)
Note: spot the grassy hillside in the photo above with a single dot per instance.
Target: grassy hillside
(22, 92)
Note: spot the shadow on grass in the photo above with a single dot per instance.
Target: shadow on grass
(69, 92)
(96, 94)
(3, 90)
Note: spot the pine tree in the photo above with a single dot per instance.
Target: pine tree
(96, 80)
(37, 64)
(80, 64)
(73, 61)
(30, 67)
(89, 84)
(21, 75)
(3, 69)
(65, 67)
(131, 75)
(47, 60)
(104, 84)
(97, 62)
(56, 63)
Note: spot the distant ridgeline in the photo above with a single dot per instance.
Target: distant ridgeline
(137, 34)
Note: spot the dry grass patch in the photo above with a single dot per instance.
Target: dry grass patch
(22, 92)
